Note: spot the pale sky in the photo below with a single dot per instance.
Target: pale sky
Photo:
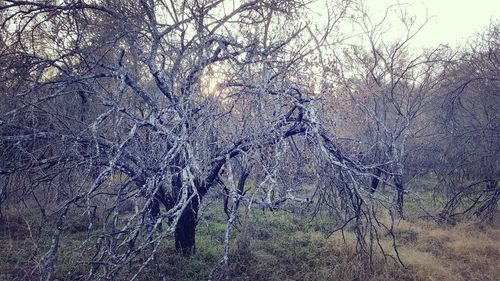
(453, 22)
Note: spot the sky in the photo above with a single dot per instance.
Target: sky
(452, 22)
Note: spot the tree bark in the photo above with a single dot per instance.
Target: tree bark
(375, 180)
(398, 181)
(185, 230)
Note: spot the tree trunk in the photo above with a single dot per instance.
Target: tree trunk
(375, 180)
(398, 181)
(185, 230)
(154, 208)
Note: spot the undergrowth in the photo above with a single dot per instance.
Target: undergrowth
(273, 246)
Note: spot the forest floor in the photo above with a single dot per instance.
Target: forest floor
(281, 246)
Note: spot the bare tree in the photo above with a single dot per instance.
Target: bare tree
(468, 125)
(131, 112)
(388, 87)
(109, 103)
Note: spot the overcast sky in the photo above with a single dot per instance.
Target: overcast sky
(453, 21)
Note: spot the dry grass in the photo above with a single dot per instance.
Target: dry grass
(463, 252)
(430, 252)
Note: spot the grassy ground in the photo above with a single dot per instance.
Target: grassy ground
(278, 246)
